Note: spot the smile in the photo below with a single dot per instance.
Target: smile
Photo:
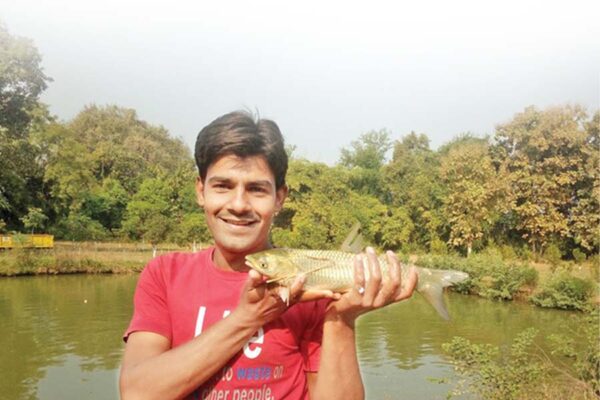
(238, 222)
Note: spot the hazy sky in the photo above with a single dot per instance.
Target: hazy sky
(325, 71)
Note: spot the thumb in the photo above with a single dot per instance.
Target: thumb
(254, 289)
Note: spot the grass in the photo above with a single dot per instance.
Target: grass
(81, 257)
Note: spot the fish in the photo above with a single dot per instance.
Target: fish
(334, 270)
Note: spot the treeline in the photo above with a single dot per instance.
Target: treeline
(532, 188)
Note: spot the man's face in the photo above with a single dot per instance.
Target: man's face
(240, 200)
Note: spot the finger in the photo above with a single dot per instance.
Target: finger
(374, 282)
(312, 294)
(297, 285)
(254, 279)
(409, 285)
(389, 289)
(359, 274)
(254, 286)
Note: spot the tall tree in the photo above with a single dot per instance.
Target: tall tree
(542, 154)
(368, 151)
(412, 182)
(472, 189)
(585, 214)
(22, 80)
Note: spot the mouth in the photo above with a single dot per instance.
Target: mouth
(239, 222)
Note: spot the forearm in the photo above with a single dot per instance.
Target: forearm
(339, 374)
(175, 373)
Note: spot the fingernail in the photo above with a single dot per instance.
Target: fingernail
(370, 250)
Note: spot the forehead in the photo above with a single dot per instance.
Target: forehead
(247, 168)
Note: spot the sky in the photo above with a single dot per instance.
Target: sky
(325, 71)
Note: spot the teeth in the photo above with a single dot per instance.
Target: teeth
(241, 223)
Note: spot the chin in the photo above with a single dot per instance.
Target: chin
(241, 247)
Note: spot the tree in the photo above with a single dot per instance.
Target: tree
(412, 182)
(585, 214)
(34, 219)
(472, 189)
(22, 80)
(368, 151)
(541, 152)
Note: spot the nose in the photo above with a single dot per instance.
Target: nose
(239, 203)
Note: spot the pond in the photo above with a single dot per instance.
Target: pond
(61, 338)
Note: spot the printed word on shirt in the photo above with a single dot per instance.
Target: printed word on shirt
(250, 352)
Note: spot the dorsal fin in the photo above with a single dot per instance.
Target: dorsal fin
(354, 242)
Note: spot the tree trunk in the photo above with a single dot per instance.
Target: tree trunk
(469, 248)
(153, 250)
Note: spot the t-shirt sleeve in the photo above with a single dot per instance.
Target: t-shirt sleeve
(310, 342)
(151, 312)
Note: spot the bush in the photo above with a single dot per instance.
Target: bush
(489, 275)
(553, 254)
(437, 246)
(564, 291)
(492, 375)
(579, 256)
(508, 253)
(524, 371)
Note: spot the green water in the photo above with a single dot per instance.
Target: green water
(61, 338)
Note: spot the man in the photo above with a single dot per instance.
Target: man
(206, 327)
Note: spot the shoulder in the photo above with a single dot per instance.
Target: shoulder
(168, 265)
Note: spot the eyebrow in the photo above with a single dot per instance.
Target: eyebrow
(261, 182)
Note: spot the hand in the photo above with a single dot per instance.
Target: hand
(377, 292)
(260, 304)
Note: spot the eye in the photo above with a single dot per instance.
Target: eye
(263, 265)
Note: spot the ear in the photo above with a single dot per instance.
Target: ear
(199, 192)
(280, 197)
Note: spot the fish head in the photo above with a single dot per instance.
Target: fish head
(273, 263)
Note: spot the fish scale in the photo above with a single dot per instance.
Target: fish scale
(334, 270)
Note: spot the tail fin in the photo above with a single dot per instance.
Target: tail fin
(432, 283)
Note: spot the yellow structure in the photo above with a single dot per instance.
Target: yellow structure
(35, 241)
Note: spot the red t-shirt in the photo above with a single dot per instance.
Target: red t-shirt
(179, 295)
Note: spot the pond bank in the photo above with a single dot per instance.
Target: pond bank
(491, 277)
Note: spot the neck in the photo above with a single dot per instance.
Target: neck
(231, 261)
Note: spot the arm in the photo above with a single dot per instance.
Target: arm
(151, 369)
(339, 374)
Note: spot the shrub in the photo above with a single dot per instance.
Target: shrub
(492, 375)
(553, 254)
(437, 246)
(508, 253)
(489, 275)
(579, 256)
(564, 291)
(524, 371)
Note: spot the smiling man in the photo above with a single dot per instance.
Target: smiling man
(205, 327)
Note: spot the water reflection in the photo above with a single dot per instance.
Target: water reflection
(61, 338)
(47, 322)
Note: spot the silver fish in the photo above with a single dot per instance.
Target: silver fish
(334, 270)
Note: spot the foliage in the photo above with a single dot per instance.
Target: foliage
(544, 155)
(553, 254)
(472, 191)
(492, 374)
(22, 80)
(79, 227)
(579, 256)
(525, 371)
(34, 219)
(564, 291)
(368, 151)
(489, 275)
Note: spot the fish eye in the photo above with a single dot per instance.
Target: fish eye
(263, 265)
